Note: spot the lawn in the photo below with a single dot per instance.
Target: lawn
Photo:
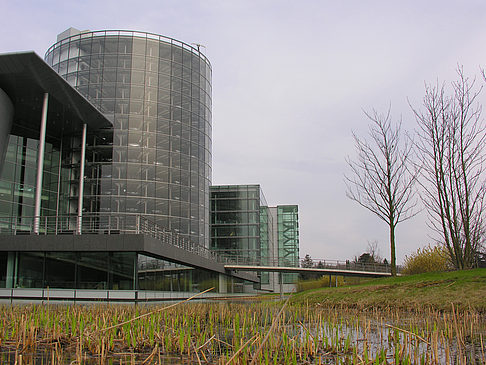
(464, 289)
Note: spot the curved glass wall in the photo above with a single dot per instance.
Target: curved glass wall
(156, 160)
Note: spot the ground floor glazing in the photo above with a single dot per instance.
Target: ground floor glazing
(109, 271)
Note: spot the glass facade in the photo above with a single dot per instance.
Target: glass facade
(266, 241)
(288, 239)
(161, 275)
(69, 270)
(156, 159)
(235, 222)
(18, 179)
(107, 271)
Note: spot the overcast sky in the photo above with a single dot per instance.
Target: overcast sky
(290, 82)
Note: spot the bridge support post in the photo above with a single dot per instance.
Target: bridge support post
(223, 284)
(330, 281)
(280, 279)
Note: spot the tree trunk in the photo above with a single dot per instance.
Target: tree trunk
(392, 248)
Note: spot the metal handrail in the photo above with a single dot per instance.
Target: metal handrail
(316, 263)
(99, 223)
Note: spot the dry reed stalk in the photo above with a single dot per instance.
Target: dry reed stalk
(153, 312)
(460, 342)
(274, 322)
(482, 348)
(410, 333)
(152, 354)
(205, 343)
(195, 351)
(255, 338)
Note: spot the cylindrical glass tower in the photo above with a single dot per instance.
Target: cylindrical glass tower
(156, 159)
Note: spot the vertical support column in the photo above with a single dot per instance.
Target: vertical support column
(82, 163)
(10, 270)
(280, 279)
(135, 272)
(223, 285)
(59, 170)
(40, 164)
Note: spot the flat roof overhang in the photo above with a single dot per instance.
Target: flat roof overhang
(25, 77)
(139, 243)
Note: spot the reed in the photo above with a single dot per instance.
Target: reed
(238, 333)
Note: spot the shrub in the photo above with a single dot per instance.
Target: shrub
(427, 259)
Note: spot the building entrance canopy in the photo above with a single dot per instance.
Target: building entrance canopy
(25, 78)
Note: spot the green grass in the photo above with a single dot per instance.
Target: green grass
(465, 289)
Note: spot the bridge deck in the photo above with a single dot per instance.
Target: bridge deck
(299, 270)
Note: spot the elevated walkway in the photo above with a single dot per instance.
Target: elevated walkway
(302, 270)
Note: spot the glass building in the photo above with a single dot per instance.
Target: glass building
(235, 222)
(286, 231)
(105, 172)
(155, 160)
(248, 231)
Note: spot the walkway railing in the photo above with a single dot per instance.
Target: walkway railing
(104, 224)
(316, 264)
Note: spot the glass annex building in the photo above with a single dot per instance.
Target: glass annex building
(246, 229)
(156, 159)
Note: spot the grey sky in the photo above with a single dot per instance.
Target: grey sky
(290, 81)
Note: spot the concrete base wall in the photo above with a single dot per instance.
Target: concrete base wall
(71, 296)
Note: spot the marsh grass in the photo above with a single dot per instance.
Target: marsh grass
(264, 332)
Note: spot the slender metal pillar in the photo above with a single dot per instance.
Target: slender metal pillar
(40, 165)
(81, 180)
(59, 170)
(280, 278)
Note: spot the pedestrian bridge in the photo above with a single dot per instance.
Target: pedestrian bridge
(314, 270)
(317, 266)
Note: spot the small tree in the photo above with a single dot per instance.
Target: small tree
(451, 144)
(307, 262)
(374, 251)
(381, 179)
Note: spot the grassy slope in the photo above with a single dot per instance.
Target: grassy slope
(466, 289)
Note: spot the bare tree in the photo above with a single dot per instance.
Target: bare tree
(374, 251)
(381, 179)
(451, 139)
